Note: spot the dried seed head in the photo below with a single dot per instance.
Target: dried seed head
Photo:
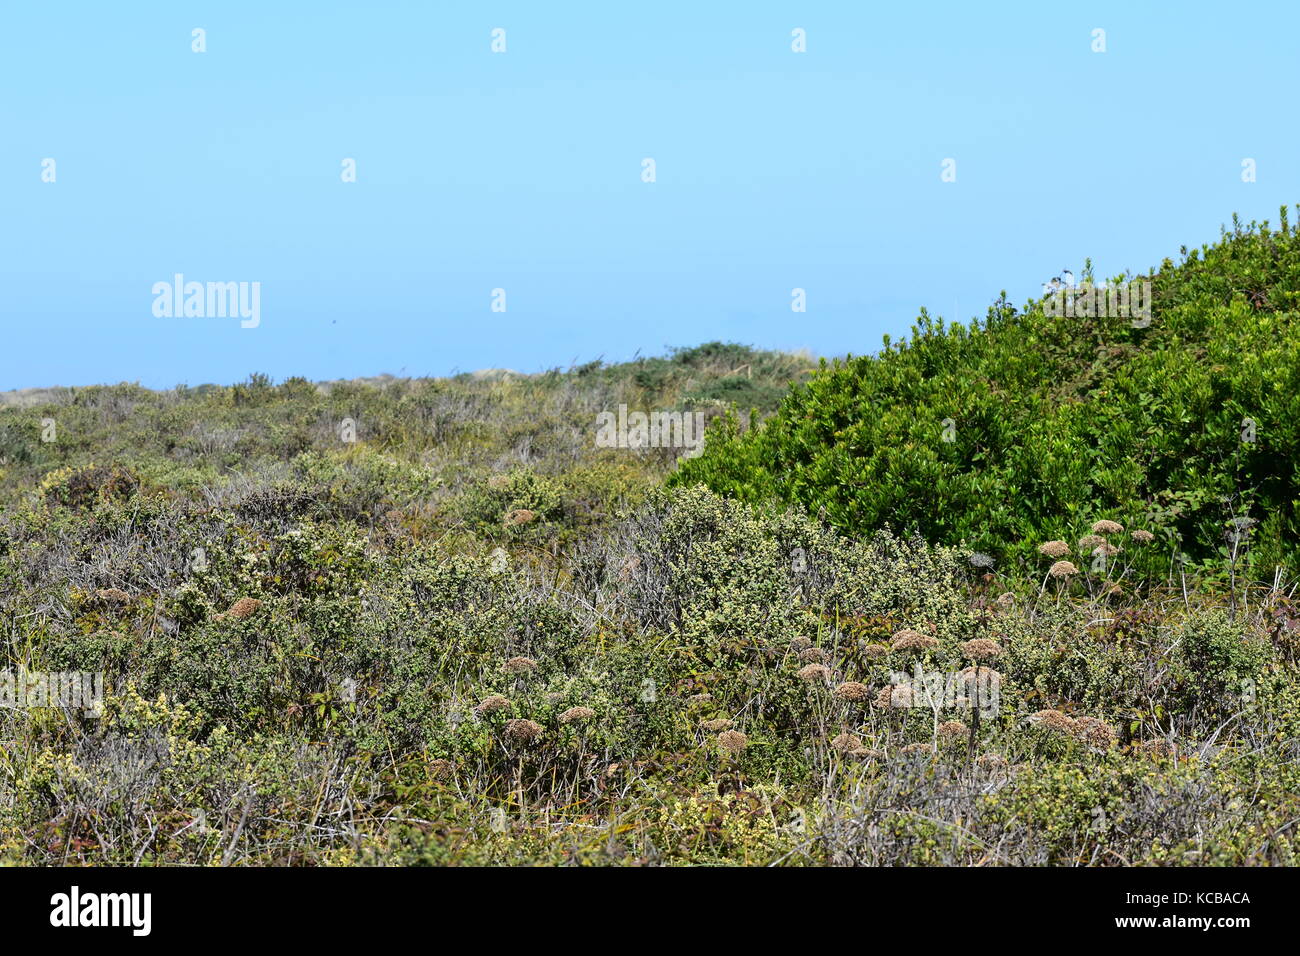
(814, 672)
(874, 651)
(520, 516)
(574, 714)
(1107, 527)
(1141, 536)
(904, 696)
(1160, 747)
(953, 730)
(846, 743)
(812, 655)
(716, 725)
(732, 741)
(800, 644)
(895, 695)
(520, 665)
(1095, 733)
(520, 731)
(852, 691)
(981, 649)
(1089, 542)
(976, 673)
(1054, 549)
(1062, 569)
(1052, 720)
(909, 640)
(491, 704)
(245, 607)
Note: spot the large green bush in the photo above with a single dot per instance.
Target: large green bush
(1025, 427)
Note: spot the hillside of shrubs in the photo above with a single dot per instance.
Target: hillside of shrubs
(434, 622)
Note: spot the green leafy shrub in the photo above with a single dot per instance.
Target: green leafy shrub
(1025, 427)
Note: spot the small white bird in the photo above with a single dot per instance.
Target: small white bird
(1068, 276)
(1056, 284)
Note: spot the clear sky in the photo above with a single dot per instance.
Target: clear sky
(522, 171)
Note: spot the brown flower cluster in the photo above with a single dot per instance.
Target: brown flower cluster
(491, 704)
(814, 672)
(520, 665)
(1092, 731)
(852, 691)
(1062, 569)
(1054, 549)
(521, 731)
(909, 640)
(981, 649)
(245, 607)
(894, 695)
(1159, 747)
(846, 743)
(951, 730)
(978, 675)
(732, 741)
(1052, 720)
(850, 746)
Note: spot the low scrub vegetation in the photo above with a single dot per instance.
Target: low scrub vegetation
(695, 682)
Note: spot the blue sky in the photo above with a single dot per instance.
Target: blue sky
(522, 171)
